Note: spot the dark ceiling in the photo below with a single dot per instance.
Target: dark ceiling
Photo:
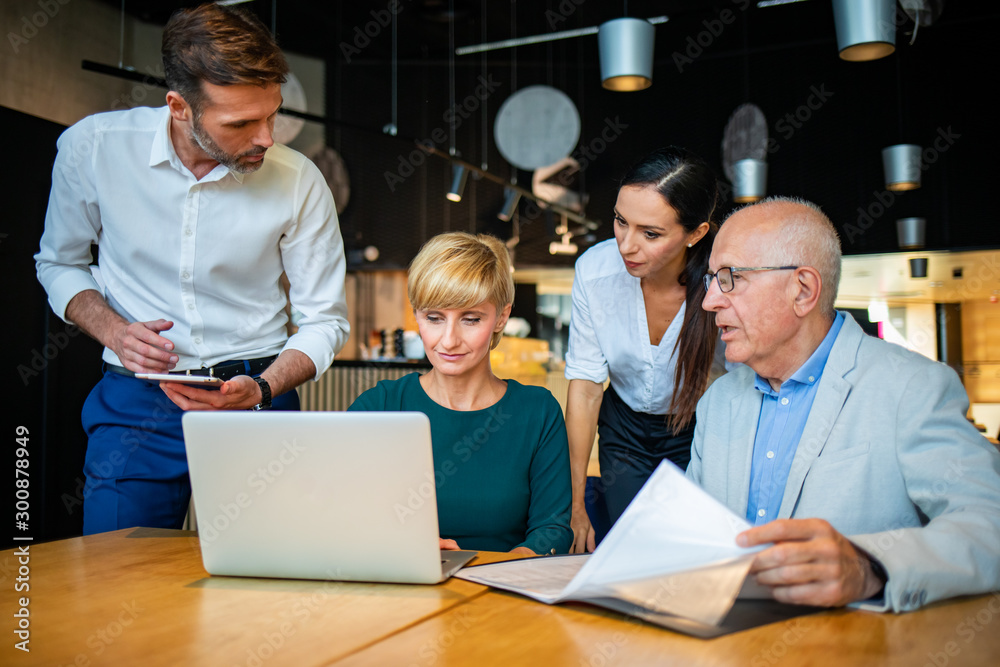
(775, 57)
(318, 27)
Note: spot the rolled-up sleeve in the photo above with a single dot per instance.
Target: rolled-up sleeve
(72, 222)
(313, 258)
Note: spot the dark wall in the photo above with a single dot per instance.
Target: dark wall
(50, 366)
(829, 120)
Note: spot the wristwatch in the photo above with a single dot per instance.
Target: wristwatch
(265, 394)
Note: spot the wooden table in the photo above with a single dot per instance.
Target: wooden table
(141, 597)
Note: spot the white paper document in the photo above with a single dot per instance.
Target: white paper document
(672, 552)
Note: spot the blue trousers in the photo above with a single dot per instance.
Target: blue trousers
(136, 466)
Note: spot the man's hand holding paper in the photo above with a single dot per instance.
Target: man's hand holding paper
(810, 563)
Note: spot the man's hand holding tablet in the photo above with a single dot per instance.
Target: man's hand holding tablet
(184, 379)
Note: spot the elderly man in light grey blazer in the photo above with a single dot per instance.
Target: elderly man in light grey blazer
(850, 456)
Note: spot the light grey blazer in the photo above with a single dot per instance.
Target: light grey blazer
(887, 457)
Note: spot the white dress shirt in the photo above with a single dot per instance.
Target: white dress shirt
(205, 254)
(609, 335)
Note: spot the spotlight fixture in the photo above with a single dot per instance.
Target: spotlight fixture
(626, 47)
(458, 178)
(901, 165)
(866, 29)
(564, 247)
(510, 199)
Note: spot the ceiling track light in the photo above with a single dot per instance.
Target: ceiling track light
(586, 224)
(459, 176)
(511, 197)
(565, 245)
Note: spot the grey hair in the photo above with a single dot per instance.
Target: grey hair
(807, 238)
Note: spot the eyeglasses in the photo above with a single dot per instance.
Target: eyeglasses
(725, 275)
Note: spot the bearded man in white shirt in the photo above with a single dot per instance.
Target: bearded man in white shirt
(196, 213)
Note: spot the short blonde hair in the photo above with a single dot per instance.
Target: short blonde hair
(460, 270)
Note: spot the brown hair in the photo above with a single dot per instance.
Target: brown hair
(220, 45)
(459, 270)
(688, 185)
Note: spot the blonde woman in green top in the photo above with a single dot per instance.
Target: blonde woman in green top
(500, 450)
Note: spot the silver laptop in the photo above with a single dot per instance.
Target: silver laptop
(345, 496)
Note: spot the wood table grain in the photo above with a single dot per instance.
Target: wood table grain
(141, 597)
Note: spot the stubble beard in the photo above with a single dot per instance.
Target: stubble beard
(205, 142)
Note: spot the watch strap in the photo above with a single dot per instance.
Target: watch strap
(265, 394)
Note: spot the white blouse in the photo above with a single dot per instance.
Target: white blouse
(609, 335)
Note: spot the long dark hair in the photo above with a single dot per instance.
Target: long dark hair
(689, 186)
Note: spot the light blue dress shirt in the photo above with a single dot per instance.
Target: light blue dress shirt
(783, 416)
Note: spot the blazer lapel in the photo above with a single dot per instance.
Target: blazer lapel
(829, 401)
(745, 411)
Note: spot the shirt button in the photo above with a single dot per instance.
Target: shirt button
(761, 512)
(812, 379)
(190, 306)
(188, 232)
(770, 455)
(185, 275)
(784, 401)
(198, 341)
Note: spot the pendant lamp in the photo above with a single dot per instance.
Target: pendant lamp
(866, 29)
(901, 164)
(626, 46)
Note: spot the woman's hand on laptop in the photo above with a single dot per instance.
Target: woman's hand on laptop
(447, 545)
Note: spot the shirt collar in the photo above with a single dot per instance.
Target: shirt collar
(811, 371)
(163, 151)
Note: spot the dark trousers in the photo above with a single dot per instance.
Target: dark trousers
(136, 466)
(630, 446)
